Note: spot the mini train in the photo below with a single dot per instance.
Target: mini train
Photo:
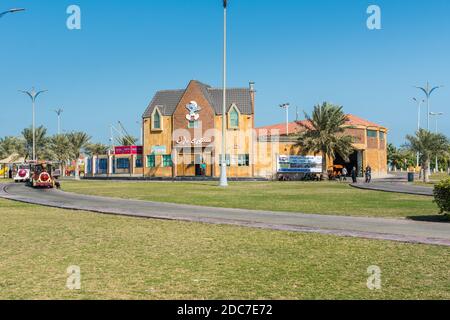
(23, 173)
(43, 175)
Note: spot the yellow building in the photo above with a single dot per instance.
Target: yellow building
(183, 132)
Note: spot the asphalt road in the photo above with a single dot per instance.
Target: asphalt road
(373, 228)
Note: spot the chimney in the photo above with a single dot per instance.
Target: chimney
(252, 96)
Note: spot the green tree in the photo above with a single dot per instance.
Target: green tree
(127, 140)
(428, 145)
(42, 142)
(78, 142)
(12, 145)
(325, 134)
(96, 149)
(61, 150)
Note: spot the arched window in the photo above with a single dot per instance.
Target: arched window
(156, 119)
(234, 118)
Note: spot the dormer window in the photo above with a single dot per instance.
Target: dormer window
(157, 120)
(233, 117)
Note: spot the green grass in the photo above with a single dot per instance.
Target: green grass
(317, 198)
(130, 258)
(434, 179)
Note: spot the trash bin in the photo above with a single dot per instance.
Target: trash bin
(410, 176)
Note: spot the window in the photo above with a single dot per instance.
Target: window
(193, 124)
(138, 162)
(234, 118)
(244, 160)
(382, 136)
(167, 161)
(156, 119)
(123, 163)
(227, 160)
(151, 161)
(372, 134)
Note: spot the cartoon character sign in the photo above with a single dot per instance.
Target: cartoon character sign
(194, 110)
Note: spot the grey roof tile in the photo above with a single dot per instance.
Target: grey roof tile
(168, 100)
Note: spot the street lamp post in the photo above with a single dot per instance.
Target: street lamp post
(286, 107)
(428, 92)
(11, 11)
(33, 96)
(223, 167)
(59, 113)
(436, 115)
(419, 104)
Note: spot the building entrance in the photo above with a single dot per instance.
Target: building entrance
(194, 163)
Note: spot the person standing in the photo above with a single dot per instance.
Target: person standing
(354, 175)
(368, 174)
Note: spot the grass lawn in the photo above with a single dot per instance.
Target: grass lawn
(434, 179)
(130, 258)
(306, 197)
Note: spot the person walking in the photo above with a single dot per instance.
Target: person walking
(344, 174)
(354, 175)
(368, 174)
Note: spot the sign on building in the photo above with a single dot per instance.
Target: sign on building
(299, 164)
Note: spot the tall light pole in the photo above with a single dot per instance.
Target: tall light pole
(59, 113)
(428, 92)
(436, 115)
(11, 11)
(33, 96)
(286, 107)
(419, 105)
(223, 160)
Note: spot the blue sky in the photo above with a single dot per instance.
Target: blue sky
(302, 52)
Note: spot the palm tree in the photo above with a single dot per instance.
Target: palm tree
(12, 145)
(41, 142)
(127, 140)
(325, 133)
(61, 150)
(428, 145)
(78, 142)
(96, 149)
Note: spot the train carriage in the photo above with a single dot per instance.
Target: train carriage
(23, 173)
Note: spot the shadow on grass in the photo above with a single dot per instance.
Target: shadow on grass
(437, 218)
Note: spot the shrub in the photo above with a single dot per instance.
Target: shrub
(442, 195)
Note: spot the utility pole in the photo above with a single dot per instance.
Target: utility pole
(33, 96)
(223, 160)
(59, 113)
(286, 107)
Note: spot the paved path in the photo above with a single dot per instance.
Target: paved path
(372, 228)
(397, 183)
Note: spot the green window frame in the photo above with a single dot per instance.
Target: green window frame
(151, 161)
(244, 160)
(372, 134)
(193, 124)
(234, 118)
(382, 136)
(156, 120)
(167, 161)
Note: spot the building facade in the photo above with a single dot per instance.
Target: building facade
(183, 131)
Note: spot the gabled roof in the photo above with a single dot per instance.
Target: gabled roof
(168, 100)
(299, 126)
